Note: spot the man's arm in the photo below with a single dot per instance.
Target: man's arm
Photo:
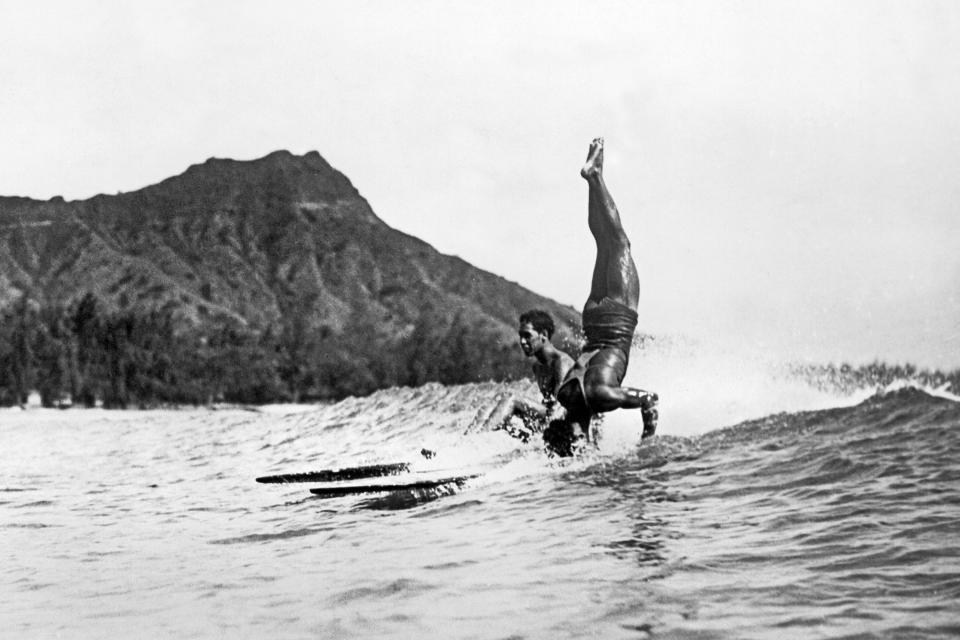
(510, 406)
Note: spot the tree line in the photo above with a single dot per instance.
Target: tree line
(847, 378)
(88, 354)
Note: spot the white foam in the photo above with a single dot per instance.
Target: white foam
(286, 408)
(938, 392)
(704, 387)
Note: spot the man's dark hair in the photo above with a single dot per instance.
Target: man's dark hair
(540, 321)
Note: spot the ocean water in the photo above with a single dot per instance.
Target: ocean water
(814, 517)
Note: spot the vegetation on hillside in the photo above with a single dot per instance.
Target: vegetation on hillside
(87, 354)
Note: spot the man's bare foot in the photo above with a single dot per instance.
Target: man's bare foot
(594, 164)
(649, 412)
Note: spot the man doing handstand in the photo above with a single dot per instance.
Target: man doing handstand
(592, 386)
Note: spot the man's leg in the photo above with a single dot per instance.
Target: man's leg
(614, 273)
(601, 383)
(604, 393)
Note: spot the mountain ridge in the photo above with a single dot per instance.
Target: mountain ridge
(278, 243)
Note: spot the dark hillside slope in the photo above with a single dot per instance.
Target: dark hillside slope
(283, 245)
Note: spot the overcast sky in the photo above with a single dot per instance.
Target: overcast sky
(789, 172)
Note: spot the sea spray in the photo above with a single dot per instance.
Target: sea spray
(705, 386)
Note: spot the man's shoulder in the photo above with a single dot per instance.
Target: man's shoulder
(564, 360)
(556, 366)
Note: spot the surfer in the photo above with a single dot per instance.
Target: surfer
(592, 385)
(550, 367)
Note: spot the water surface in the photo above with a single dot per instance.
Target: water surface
(831, 523)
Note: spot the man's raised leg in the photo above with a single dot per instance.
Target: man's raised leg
(614, 273)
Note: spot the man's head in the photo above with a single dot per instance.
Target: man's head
(536, 329)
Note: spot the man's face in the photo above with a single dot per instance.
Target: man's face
(530, 340)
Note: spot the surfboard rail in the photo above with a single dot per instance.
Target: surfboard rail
(406, 483)
(334, 475)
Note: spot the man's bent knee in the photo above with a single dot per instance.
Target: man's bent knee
(603, 397)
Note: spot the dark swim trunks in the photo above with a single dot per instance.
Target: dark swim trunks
(609, 328)
(609, 325)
